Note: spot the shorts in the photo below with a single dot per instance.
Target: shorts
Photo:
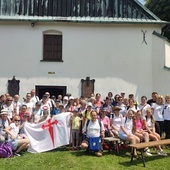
(122, 136)
(75, 134)
(14, 143)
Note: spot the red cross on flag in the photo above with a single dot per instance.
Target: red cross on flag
(49, 134)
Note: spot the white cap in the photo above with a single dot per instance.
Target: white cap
(4, 111)
(65, 98)
(89, 104)
(71, 97)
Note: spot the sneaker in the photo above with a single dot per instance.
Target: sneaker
(17, 154)
(98, 154)
(161, 152)
(148, 152)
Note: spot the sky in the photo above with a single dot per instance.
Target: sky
(142, 1)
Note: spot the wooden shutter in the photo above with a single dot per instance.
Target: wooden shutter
(52, 48)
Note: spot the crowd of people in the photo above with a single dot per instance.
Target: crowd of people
(91, 118)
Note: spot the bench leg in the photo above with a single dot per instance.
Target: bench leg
(117, 147)
(132, 154)
(110, 145)
(143, 159)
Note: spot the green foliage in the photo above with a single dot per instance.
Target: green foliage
(160, 8)
(79, 160)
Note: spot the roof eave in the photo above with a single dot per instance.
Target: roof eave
(83, 20)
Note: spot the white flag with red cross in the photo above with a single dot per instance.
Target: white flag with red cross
(49, 134)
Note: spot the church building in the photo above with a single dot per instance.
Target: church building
(82, 47)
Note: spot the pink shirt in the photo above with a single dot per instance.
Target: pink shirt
(106, 122)
(138, 124)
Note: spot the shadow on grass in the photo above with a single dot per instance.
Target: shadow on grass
(82, 153)
(123, 153)
(138, 162)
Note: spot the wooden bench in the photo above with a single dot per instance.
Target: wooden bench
(141, 147)
(111, 140)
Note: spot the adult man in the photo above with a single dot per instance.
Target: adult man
(94, 128)
(34, 98)
(153, 100)
(50, 101)
(16, 103)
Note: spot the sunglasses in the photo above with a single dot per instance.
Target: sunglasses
(17, 120)
(9, 100)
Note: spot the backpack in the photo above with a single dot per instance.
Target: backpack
(6, 150)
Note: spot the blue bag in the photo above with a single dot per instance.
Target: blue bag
(94, 144)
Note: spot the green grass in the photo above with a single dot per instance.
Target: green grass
(79, 160)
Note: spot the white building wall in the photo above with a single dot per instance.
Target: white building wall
(112, 54)
(161, 65)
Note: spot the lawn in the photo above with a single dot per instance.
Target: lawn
(79, 160)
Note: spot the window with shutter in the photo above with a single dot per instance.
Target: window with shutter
(52, 47)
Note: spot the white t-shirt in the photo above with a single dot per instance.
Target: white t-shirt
(143, 109)
(30, 107)
(10, 110)
(149, 123)
(37, 115)
(135, 109)
(166, 113)
(14, 129)
(3, 125)
(93, 129)
(34, 99)
(158, 112)
(117, 121)
(17, 105)
(127, 124)
(123, 111)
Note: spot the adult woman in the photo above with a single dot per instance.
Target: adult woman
(122, 106)
(106, 123)
(125, 132)
(166, 115)
(132, 105)
(116, 120)
(93, 129)
(115, 103)
(150, 127)
(17, 143)
(158, 108)
(138, 130)
(23, 112)
(143, 105)
(70, 106)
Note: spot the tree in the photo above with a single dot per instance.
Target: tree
(161, 8)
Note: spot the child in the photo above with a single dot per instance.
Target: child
(75, 126)
(150, 127)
